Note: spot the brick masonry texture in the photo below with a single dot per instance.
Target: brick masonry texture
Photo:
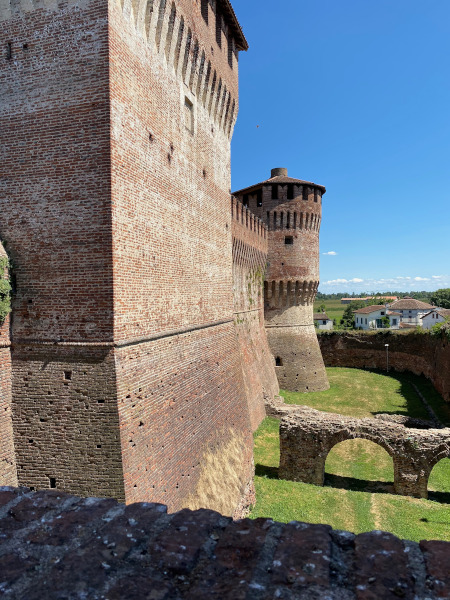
(308, 435)
(8, 471)
(418, 353)
(250, 244)
(292, 279)
(58, 546)
(132, 374)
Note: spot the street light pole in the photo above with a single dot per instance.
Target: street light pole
(387, 357)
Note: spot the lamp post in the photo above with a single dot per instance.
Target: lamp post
(387, 357)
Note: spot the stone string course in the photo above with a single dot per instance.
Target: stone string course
(308, 435)
(57, 546)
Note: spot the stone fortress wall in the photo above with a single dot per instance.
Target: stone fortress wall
(127, 366)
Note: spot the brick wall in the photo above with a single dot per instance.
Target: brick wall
(249, 266)
(180, 387)
(419, 353)
(62, 546)
(8, 473)
(292, 279)
(117, 126)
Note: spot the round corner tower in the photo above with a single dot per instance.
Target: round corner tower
(292, 210)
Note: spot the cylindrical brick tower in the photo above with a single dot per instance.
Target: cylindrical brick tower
(292, 210)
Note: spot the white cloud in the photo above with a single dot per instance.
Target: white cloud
(331, 253)
(436, 277)
(356, 280)
(421, 279)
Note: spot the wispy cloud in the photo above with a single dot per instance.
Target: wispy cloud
(371, 284)
(331, 253)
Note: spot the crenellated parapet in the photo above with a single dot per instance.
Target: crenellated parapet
(285, 219)
(250, 237)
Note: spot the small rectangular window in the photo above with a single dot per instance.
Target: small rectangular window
(315, 195)
(230, 51)
(205, 10)
(245, 199)
(275, 191)
(219, 28)
(189, 115)
(289, 240)
(290, 191)
(259, 197)
(305, 192)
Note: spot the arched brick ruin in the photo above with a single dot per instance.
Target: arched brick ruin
(308, 435)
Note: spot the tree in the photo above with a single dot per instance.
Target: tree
(385, 322)
(322, 308)
(348, 319)
(441, 298)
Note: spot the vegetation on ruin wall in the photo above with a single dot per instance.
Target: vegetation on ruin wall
(359, 474)
(5, 289)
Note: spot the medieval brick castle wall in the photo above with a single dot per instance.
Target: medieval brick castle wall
(127, 367)
(292, 211)
(8, 471)
(250, 246)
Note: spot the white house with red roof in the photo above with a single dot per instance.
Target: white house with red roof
(437, 315)
(411, 311)
(372, 317)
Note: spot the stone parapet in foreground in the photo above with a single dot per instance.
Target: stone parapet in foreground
(55, 546)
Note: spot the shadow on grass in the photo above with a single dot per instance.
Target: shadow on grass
(359, 485)
(264, 471)
(441, 497)
(353, 484)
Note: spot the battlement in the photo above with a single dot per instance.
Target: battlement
(245, 223)
(293, 219)
(187, 43)
(283, 294)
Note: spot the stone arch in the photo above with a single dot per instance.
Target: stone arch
(447, 468)
(344, 435)
(385, 449)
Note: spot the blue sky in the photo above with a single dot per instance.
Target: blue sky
(355, 95)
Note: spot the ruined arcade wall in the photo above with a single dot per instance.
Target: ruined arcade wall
(416, 352)
(249, 267)
(185, 427)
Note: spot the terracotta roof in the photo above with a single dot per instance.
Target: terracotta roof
(280, 179)
(319, 316)
(409, 303)
(394, 314)
(369, 309)
(443, 312)
(407, 326)
(241, 42)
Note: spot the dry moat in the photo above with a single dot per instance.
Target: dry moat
(358, 492)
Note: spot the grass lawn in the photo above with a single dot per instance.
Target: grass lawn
(359, 474)
(334, 308)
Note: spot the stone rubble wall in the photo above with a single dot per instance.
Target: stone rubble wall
(59, 546)
(307, 436)
(419, 353)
